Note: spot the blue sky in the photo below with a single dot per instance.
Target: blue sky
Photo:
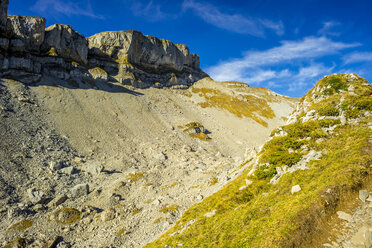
(282, 45)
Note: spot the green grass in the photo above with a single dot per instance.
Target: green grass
(134, 177)
(20, 226)
(248, 106)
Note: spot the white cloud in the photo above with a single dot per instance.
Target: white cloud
(326, 29)
(52, 7)
(262, 75)
(232, 22)
(306, 75)
(357, 57)
(288, 52)
(149, 11)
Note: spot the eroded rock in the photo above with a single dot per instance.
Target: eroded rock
(132, 47)
(3, 14)
(66, 42)
(30, 30)
(79, 190)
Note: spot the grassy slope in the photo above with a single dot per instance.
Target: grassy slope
(249, 218)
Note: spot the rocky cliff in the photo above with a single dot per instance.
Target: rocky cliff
(3, 14)
(127, 57)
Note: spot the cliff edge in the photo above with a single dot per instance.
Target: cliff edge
(29, 51)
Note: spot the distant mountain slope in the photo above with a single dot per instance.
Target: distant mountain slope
(297, 179)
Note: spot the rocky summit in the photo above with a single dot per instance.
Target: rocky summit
(121, 140)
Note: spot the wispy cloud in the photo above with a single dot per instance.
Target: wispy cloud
(232, 22)
(287, 52)
(256, 67)
(327, 28)
(69, 8)
(357, 57)
(305, 76)
(150, 11)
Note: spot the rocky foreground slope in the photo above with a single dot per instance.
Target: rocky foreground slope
(107, 140)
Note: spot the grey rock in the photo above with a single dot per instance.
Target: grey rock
(55, 165)
(67, 43)
(344, 216)
(3, 15)
(93, 167)
(108, 214)
(38, 207)
(24, 77)
(363, 195)
(79, 190)
(295, 189)
(17, 45)
(30, 30)
(68, 170)
(63, 244)
(4, 44)
(21, 64)
(4, 63)
(35, 196)
(58, 200)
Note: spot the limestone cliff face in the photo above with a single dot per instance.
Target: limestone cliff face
(27, 33)
(143, 60)
(66, 42)
(128, 57)
(142, 50)
(3, 14)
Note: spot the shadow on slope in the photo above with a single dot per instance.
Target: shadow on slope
(33, 80)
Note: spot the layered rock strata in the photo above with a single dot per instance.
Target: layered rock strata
(29, 51)
(3, 14)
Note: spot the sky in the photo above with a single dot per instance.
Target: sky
(283, 45)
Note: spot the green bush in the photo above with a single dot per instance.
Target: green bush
(265, 172)
(301, 130)
(329, 122)
(285, 141)
(280, 157)
(328, 110)
(337, 83)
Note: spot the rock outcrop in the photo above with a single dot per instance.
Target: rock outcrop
(66, 42)
(141, 50)
(3, 15)
(143, 60)
(127, 57)
(27, 33)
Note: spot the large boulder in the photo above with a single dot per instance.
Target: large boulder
(3, 15)
(147, 52)
(29, 30)
(66, 42)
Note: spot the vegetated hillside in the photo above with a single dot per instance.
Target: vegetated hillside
(296, 181)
